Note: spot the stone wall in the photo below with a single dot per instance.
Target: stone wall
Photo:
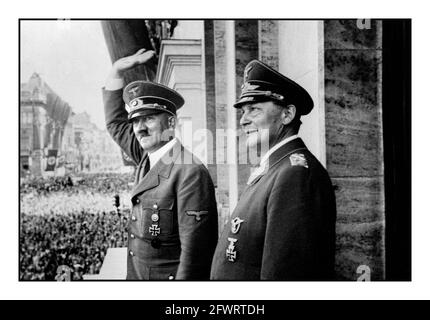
(353, 61)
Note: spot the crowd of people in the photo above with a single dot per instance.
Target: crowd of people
(71, 226)
(45, 185)
(100, 182)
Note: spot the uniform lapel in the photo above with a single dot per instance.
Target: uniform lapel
(149, 181)
(255, 176)
(162, 168)
(165, 165)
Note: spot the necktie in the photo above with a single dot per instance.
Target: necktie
(145, 169)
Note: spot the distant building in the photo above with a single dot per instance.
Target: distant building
(37, 101)
(87, 148)
(55, 141)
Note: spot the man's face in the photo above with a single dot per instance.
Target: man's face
(151, 131)
(261, 123)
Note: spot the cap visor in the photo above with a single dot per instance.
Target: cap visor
(250, 99)
(143, 113)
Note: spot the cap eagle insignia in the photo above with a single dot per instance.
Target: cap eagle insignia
(133, 90)
(246, 72)
(249, 87)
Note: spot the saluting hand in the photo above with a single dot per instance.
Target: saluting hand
(140, 57)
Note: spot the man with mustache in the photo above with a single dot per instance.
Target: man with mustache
(283, 227)
(173, 228)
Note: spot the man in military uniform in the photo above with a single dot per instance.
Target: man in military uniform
(283, 227)
(173, 229)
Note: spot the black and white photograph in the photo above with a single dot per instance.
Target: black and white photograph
(214, 150)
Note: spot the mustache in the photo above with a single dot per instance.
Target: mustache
(142, 133)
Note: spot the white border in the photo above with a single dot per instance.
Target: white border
(10, 288)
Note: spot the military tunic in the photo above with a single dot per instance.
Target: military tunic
(172, 228)
(283, 227)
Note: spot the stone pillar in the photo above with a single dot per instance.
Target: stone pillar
(180, 67)
(246, 49)
(268, 42)
(209, 79)
(37, 157)
(353, 108)
(301, 58)
(224, 78)
(235, 44)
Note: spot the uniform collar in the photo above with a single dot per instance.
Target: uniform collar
(265, 158)
(155, 156)
(162, 168)
(283, 149)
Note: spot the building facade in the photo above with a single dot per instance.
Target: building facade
(88, 148)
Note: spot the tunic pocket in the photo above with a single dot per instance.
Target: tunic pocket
(158, 218)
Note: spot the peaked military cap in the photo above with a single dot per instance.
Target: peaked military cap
(262, 83)
(144, 98)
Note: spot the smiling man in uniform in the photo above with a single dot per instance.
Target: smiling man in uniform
(173, 228)
(283, 227)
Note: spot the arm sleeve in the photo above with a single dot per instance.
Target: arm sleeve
(118, 126)
(290, 239)
(198, 237)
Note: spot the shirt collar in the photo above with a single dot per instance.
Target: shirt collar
(155, 156)
(265, 158)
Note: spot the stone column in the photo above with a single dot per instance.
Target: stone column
(268, 42)
(301, 58)
(235, 44)
(209, 78)
(353, 108)
(246, 49)
(37, 157)
(222, 83)
(180, 67)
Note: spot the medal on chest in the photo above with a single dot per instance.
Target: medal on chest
(231, 251)
(155, 229)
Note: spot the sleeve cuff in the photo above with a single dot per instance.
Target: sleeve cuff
(113, 84)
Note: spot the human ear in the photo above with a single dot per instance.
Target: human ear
(172, 122)
(288, 114)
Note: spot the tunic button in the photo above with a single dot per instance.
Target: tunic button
(133, 218)
(132, 236)
(131, 253)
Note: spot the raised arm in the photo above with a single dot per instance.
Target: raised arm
(115, 114)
